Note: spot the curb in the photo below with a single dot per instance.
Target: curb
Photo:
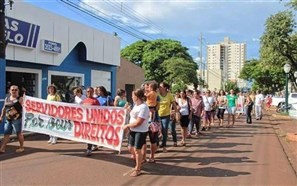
(282, 138)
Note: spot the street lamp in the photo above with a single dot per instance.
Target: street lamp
(287, 69)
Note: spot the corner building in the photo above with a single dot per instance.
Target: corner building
(45, 48)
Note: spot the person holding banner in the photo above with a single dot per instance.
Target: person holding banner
(79, 97)
(52, 96)
(90, 100)
(138, 125)
(12, 112)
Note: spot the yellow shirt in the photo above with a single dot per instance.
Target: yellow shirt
(165, 104)
(53, 98)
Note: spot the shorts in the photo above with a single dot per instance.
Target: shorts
(15, 125)
(184, 121)
(153, 136)
(137, 139)
(231, 110)
(207, 115)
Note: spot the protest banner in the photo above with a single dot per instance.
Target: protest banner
(89, 124)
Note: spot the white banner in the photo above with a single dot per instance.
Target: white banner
(89, 124)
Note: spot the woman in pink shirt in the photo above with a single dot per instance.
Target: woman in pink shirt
(198, 112)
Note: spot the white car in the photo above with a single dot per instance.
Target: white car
(292, 99)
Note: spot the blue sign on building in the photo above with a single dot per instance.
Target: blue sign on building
(21, 33)
(51, 46)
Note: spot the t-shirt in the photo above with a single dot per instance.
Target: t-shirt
(231, 100)
(54, 97)
(165, 104)
(80, 99)
(222, 102)
(198, 106)
(104, 101)
(184, 107)
(141, 111)
(151, 99)
(90, 101)
(208, 102)
(259, 99)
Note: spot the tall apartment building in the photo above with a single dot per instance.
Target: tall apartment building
(224, 63)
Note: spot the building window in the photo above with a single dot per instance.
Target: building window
(65, 83)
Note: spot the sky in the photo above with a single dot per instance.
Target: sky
(243, 21)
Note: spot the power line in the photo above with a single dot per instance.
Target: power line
(84, 10)
(96, 10)
(133, 14)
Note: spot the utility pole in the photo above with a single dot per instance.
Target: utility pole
(3, 53)
(200, 67)
(2, 57)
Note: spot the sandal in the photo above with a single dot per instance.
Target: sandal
(150, 160)
(143, 161)
(19, 150)
(135, 173)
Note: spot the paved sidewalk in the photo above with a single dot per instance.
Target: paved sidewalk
(286, 130)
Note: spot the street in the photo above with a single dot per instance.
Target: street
(242, 155)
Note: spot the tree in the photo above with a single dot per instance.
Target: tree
(180, 70)
(231, 85)
(264, 77)
(151, 56)
(279, 44)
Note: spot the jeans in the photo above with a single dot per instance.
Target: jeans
(248, 115)
(197, 121)
(172, 127)
(258, 111)
(220, 113)
(165, 123)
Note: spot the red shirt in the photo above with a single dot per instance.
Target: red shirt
(90, 101)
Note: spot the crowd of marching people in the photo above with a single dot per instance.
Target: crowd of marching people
(155, 111)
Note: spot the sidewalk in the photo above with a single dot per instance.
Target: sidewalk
(286, 130)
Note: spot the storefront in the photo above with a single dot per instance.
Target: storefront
(49, 49)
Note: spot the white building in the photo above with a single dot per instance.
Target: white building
(224, 63)
(45, 48)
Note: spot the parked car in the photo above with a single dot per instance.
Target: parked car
(279, 101)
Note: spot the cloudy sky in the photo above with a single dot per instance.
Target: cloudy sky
(182, 20)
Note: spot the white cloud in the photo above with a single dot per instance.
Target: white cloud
(240, 20)
(256, 39)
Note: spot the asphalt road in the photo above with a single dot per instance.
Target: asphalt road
(243, 155)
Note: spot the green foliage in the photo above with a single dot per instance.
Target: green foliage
(179, 86)
(279, 46)
(180, 70)
(163, 60)
(231, 85)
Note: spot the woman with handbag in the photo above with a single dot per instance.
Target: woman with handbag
(185, 110)
(138, 125)
(12, 112)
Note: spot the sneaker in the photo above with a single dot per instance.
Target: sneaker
(54, 140)
(175, 144)
(50, 140)
(95, 148)
(164, 150)
(89, 152)
(203, 129)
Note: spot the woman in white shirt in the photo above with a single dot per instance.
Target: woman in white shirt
(79, 97)
(138, 125)
(185, 110)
